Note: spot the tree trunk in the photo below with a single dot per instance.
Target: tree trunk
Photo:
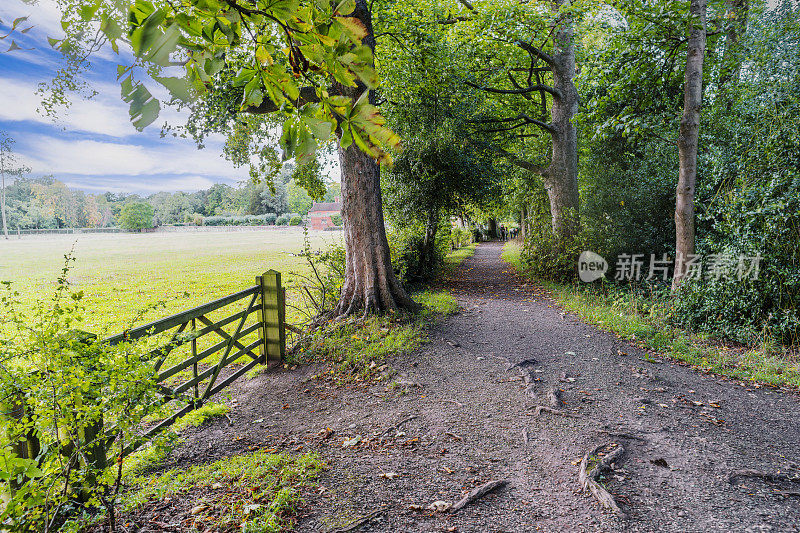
(688, 140)
(561, 177)
(493, 228)
(370, 284)
(429, 243)
(3, 203)
(523, 222)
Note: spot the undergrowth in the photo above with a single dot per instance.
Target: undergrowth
(645, 320)
(357, 350)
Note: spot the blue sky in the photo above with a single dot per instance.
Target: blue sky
(92, 146)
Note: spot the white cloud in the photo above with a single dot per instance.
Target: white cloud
(102, 115)
(99, 158)
(144, 185)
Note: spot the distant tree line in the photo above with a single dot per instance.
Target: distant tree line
(46, 203)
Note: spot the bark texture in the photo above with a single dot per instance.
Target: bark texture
(370, 284)
(688, 140)
(561, 177)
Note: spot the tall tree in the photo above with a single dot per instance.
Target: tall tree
(370, 283)
(688, 140)
(309, 62)
(548, 107)
(8, 165)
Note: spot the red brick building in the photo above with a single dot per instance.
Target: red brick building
(319, 216)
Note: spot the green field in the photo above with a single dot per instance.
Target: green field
(121, 274)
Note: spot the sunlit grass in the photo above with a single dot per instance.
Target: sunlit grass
(120, 274)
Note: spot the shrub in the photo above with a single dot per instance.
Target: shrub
(460, 237)
(282, 220)
(56, 376)
(136, 215)
(336, 219)
(296, 220)
(412, 263)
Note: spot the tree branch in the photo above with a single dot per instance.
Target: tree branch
(549, 128)
(307, 94)
(541, 54)
(523, 90)
(514, 159)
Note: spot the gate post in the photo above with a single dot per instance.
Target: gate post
(273, 317)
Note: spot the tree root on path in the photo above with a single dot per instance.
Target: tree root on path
(766, 476)
(356, 524)
(589, 478)
(522, 365)
(554, 397)
(544, 409)
(477, 493)
(396, 427)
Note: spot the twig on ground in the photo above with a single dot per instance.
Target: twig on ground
(453, 435)
(479, 492)
(356, 524)
(623, 435)
(523, 364)
(588, 478)
(525, 435)
(397, 426)
(544, 409)
(455, 402)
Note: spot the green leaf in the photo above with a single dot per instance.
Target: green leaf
(17, 22)
(345, 7)
(180, 88)
(352, 27)
(284, 9)
(88, 11)
(321, 128)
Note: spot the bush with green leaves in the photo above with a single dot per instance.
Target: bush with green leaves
(71, 405)
(414, 260)
(296, 220)
(460, 237)
(336, 219)
(282, 220)
(136, 215)
(750, 202)
(266, 219)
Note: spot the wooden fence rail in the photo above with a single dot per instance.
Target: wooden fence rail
(265, 302)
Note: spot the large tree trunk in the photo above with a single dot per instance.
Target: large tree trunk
(561, 177)
(688, 140)
(370, 284)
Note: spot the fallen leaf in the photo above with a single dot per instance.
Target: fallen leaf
(352, 442)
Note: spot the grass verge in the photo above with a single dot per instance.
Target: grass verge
(256, 492)
(645, 322)
(357, 350)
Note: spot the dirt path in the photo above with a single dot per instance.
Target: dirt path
(468, 418)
